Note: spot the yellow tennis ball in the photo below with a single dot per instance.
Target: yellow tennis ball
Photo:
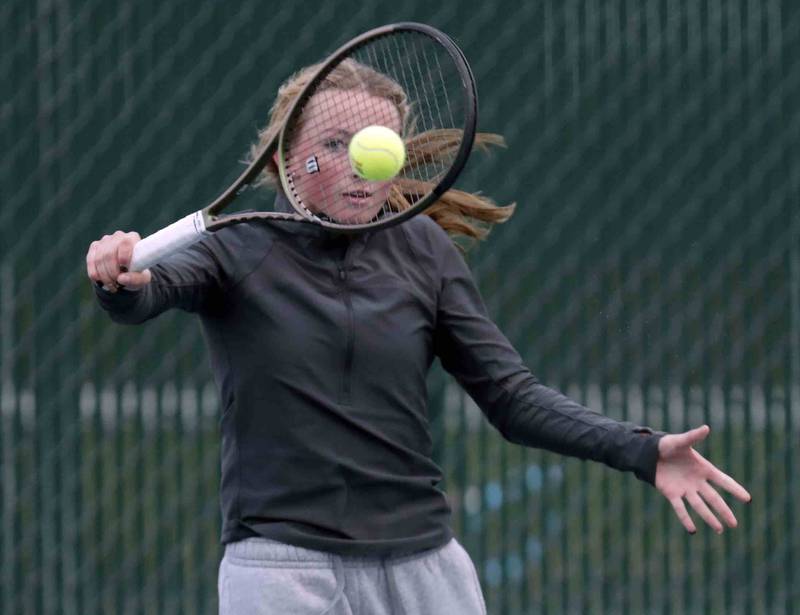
(377, 153)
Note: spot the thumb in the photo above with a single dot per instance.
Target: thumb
(673, 443)
(134, 279)
(692, 436)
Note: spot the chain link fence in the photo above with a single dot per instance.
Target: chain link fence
(652, 272)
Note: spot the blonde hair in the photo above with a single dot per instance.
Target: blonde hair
(460, 213)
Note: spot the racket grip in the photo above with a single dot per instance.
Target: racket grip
(170, 239)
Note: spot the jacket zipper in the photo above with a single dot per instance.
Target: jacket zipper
(348, 356)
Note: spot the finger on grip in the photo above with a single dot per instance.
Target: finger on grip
(124, 254)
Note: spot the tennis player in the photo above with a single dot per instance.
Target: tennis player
(320, 345)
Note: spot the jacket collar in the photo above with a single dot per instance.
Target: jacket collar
(283, 205)
(313, 231)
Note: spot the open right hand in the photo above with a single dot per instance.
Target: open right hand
(108, 259)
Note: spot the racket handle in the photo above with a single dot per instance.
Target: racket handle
(170, 239)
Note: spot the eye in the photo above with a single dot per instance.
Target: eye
(335, 145)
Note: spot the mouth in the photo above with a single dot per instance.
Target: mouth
(358, 197)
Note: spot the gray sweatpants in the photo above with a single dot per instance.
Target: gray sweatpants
(264, 577)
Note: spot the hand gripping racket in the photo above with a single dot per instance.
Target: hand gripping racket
(409, 77)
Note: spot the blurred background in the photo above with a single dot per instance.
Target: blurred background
(652, 272)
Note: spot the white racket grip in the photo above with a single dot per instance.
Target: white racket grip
(170, 239)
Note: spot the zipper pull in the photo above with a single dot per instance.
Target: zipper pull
(342, 274)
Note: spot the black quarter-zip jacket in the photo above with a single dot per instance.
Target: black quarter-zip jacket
(320, 346)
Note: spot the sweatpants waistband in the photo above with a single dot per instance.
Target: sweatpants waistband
(256, 551)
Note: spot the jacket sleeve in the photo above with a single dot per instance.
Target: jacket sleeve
(478, 355)
(190, 280)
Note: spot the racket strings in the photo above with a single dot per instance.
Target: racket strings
(405, 81)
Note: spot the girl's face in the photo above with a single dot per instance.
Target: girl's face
(330, 119)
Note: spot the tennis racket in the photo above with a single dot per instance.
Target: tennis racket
(427, 95)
